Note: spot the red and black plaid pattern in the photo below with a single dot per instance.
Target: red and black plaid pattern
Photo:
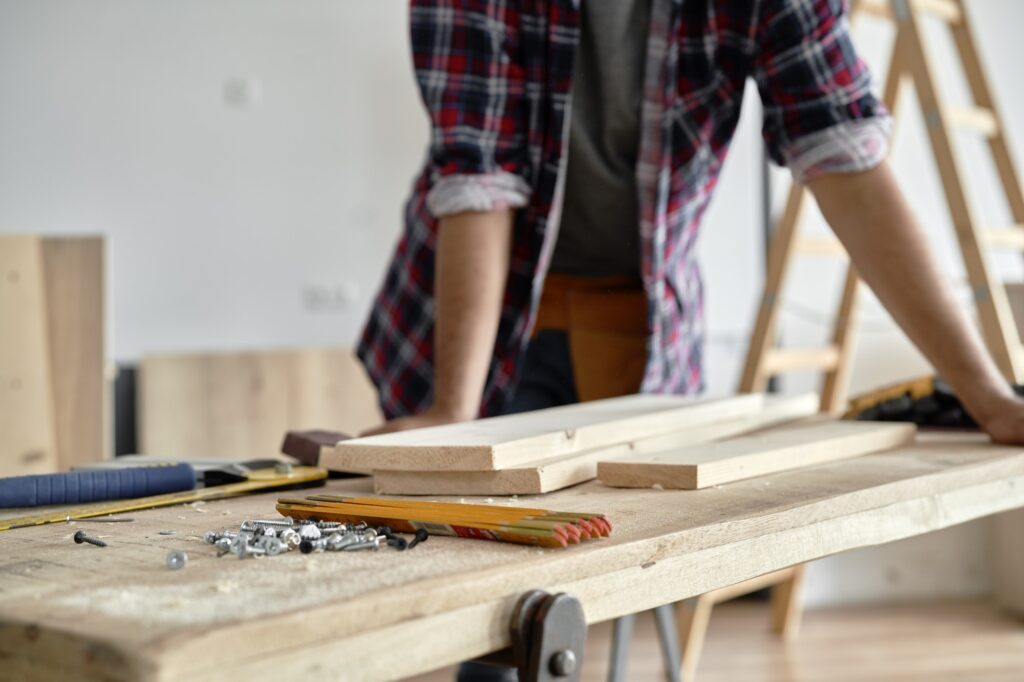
(495, 76)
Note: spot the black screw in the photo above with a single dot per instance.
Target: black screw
(421, 535)
(385, 531)
(306, 547)
(397, 542)
(81, 537)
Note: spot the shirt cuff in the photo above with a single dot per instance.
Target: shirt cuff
(843, 148)
(486, 192)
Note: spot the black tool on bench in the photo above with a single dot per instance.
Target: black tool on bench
(927, 402)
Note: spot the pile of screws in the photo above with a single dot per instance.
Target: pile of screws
(270, 537)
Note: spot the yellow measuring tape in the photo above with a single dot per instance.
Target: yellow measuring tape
(259, 479)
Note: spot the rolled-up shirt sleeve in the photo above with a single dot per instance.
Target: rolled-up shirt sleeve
(484, 192)
(465, 53)
(820, 114)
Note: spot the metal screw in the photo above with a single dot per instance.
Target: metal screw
(250, 526)
(421, 535)
(81, 537)
(366, 544)
(398, 543)
(242, 548)
(290, 538)
(339, 541)
(308, 546)
(563, 663)
(224, 545)
(271, 545)
(285, 521)
(212, 537)
(176, 560)
(309, 532)
(331, 525)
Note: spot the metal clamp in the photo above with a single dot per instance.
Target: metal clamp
(549, 632)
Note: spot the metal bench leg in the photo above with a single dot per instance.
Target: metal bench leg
(664, 617)
(622, 635)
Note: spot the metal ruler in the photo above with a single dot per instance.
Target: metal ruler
(258, 479)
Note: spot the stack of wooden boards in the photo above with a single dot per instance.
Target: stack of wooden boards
(52, 373)
(634, 441)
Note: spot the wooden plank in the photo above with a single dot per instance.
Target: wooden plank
(513, 440)
(27, 443)
(74, 283)
(534, 478)
(768, 452)
(118, 613)
(240, 405)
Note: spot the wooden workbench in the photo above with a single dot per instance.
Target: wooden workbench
(80, 612)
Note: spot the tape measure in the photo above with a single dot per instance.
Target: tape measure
(258, 479)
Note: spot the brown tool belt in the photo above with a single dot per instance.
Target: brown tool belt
(605, 319)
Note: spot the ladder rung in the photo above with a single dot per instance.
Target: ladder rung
(878, 8)
(781, 360)
(1004, 237)
(944, 9)
(820, 246)
(976, 118)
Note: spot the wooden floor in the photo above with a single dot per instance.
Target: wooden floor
(944, 642)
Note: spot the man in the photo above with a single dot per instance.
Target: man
(549, 256)
(586, 142)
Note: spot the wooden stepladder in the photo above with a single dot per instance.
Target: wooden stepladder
(910, 62)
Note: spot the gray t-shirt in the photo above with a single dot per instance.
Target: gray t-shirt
(599, 233)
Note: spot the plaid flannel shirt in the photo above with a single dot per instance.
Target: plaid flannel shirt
(496, 78)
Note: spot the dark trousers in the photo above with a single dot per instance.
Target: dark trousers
(546, 381)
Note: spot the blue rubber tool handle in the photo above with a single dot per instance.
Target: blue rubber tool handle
(97, 485)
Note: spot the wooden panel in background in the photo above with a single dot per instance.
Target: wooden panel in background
(74, 284)
(560, 472)
(27, 442)
(240, 405)
(768, 452)
(513, 440)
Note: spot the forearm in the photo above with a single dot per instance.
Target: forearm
(888, 248)
(471, 268)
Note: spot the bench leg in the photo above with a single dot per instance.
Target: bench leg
(664, 618)
(622, 635)
(787, 604)
(692, 617)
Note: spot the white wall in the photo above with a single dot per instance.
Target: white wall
(223, 220)
(248, 160)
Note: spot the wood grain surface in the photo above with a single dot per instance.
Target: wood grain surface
(239, 405)
(767, 452)
(117, 613)
(27, 438)
(514, 440)
(545, 476)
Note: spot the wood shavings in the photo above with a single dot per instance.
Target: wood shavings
(225, 586)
